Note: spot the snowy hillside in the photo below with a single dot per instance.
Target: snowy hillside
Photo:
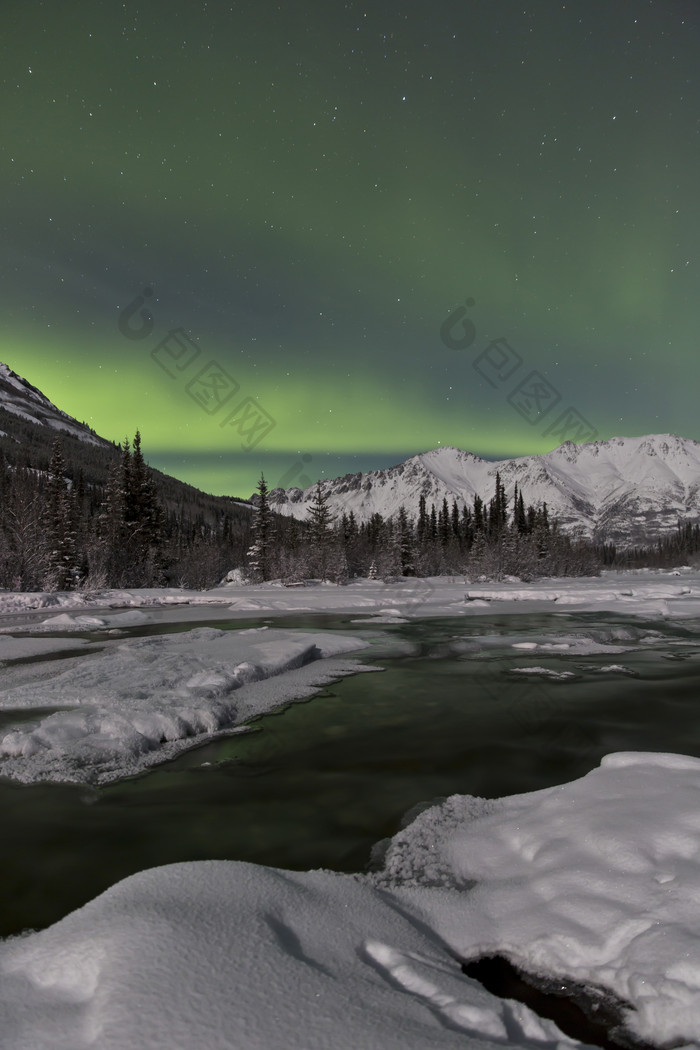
(626, 489)
(20, 398)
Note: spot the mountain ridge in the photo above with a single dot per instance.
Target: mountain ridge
(19, 397)
(625, 490)
(29, 425)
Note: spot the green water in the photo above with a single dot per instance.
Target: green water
(319, 783)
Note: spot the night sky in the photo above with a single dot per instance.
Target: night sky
(303, 194)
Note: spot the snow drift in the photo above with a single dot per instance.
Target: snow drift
(596, 881)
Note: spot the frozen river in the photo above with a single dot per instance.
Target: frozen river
(150, 748)
(489, 705)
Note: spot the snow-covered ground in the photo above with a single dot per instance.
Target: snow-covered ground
(593, 884)
(643, 592)
(121, 705)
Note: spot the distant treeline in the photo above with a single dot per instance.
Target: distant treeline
(492, 540)
(678, 547)
(484, 539)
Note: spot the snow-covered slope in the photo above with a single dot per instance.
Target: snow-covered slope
(626, 489)
(24, 400)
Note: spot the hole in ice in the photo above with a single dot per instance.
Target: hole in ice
(586, 1014)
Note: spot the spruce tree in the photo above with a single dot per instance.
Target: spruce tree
(423, 525)
(479, 522)
(455, 520)
(467, 527)
(444, 523)
(260, 552)
(320, 535)
(433, 526)
(147, 515)
(60, 525)
(403, 538)
(519, 518)
(498, 510)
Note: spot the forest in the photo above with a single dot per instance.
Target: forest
(76, 515)
(487, 540)
(81, 516)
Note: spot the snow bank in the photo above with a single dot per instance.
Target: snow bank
(643, 593)
(594, 883)
(141, 701)
(29, 601)
(218, 955)
(18, 648)
(635, 592)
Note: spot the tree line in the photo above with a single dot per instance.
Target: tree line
(122, 524)
(488, 539)
(681, 546)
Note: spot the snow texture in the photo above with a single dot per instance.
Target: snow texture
(594, 882)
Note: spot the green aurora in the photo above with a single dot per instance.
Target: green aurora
(310, 191)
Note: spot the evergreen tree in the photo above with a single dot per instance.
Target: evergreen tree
(456, 531)
(260, 552)
(519, 518)
(107, 554)
(444, 523)
(467, 527)
(479, 521)
(498, 510)
(423, 524)
(143, 515)
(433, 527)
(61, 548)
(320, 536)
(131, 524)
(405, 546)
(126, 489)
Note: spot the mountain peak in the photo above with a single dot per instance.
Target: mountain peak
(625, 490)
(20, 398)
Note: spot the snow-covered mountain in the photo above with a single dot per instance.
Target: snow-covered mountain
(30, 423)
(20, 398)
(627, 490)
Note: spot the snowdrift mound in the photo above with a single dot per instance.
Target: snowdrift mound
(140, 701)
(593, 884)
